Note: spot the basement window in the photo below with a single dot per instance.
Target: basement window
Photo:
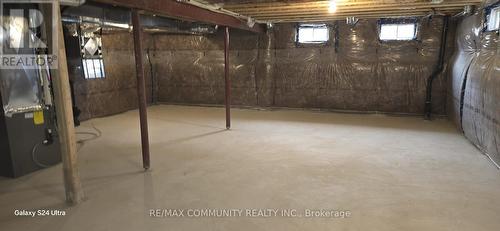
(91, 51)
(393, 31)
(312, 34)
(493, 18)
(93, 68)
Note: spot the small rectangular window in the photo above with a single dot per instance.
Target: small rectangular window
(398, 31)
(93, 68)
(493, 19)
(312, 33)
(91, 51)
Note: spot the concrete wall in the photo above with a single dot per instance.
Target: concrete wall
(355, 71)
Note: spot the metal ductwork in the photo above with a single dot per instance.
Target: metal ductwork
(115, 18)
(72, 2)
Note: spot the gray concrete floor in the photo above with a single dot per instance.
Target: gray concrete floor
(391, 173)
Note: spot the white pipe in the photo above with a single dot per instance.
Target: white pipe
(219, 9)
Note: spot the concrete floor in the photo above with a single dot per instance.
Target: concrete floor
(391, 173)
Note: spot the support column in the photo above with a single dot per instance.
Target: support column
(141, 87)
(64, 113)
(227, 78)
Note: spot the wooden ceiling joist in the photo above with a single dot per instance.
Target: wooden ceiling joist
(334, 18)
(393, 7)
(339, 3)
(309, 10)
(352, 13)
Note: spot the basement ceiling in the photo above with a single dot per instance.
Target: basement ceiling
(311, 11)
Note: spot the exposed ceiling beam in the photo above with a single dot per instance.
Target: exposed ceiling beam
(317, 10)
(353, 13)
(183, 11)
(394, 7)
(362, 3)
(334, 18)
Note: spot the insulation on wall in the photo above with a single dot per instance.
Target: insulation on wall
(116, 92)
(467, 41)
(355, 72)
(475, 84)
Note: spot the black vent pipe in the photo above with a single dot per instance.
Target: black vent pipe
(439, 68)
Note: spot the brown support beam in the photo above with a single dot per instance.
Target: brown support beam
(185, 11)
(65, 123)
(227, 78)
(141, 87)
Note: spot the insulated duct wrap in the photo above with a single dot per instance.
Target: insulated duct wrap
(20, 89)
(356, 72)
(20, 86)
(475, 85)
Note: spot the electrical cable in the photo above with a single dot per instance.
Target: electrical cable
(33, 156)
(81, 142)
(94, 136)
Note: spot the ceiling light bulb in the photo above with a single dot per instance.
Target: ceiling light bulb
(332, 6)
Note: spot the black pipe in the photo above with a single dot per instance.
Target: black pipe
(439, 68)
(76, 110)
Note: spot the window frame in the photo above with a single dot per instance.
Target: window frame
(85, 65)
(312, 43)
(487, 13)
(404, 21)
(84, 60)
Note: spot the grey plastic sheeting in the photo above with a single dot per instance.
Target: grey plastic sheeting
(116, 92)
(360, 73)
(475, 85)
